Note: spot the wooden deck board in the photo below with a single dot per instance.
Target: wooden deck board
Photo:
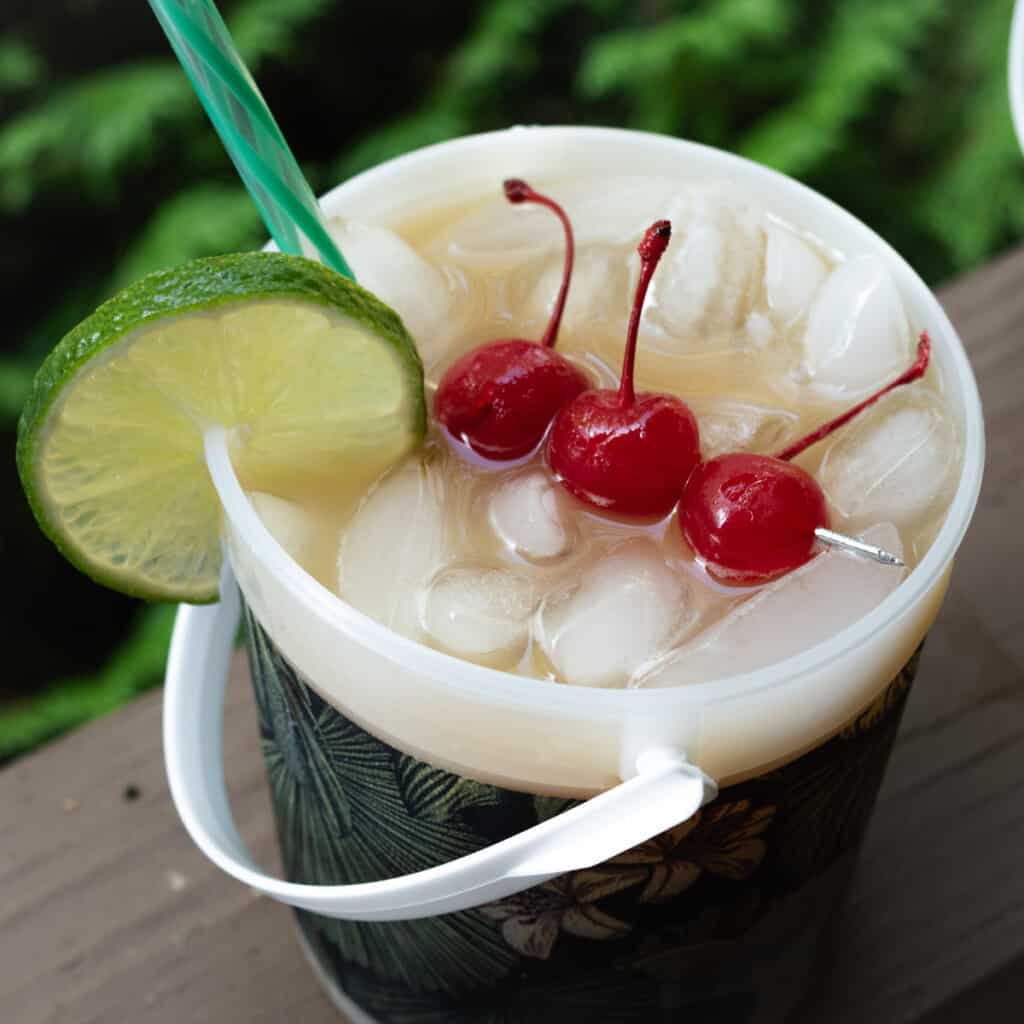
(109, 914)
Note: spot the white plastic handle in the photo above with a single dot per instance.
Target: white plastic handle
(666, 791)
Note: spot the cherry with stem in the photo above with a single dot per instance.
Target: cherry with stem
(620, 451)
(752, 518)
(499, 399)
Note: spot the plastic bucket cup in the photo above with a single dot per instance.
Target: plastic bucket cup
(464, 844)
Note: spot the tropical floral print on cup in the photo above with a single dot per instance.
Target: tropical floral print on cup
(723, 839)
(531, 920)
(702, 923)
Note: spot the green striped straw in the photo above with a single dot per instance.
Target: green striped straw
(248, 130)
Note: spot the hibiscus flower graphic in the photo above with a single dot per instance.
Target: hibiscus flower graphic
(531, 921)
(722, 839)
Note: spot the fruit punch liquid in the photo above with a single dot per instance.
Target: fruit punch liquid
(762, 329)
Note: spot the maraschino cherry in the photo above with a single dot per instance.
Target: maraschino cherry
(623, 452)
(751, 518)
(499, 399)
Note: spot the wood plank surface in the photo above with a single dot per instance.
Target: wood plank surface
(938, 899)
(108, 914)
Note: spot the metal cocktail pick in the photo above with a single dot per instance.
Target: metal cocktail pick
(858, 547)
(248, 130)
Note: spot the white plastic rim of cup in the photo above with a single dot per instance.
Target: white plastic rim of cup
(437, 707)
(1016, 70)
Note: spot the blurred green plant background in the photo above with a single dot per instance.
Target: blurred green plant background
(896, 109)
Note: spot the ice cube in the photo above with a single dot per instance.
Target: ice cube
(598, 291)
(703, 292)
(896, 464)
(857, 333)
(793, 273)
(622, 611)
(288, 525)
(528, 514)
(730, 426)
(388, 266)
(497, 234)
(478, 612)
(760, 330)
(794, 613)
(394, 544)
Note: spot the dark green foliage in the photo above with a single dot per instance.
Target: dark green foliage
(88, 133)
(20, 66)
(209, 217)
(137, 663)
(896, 109)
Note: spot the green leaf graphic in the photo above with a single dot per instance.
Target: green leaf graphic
(343, 816)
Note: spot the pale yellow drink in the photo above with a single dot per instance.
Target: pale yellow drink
(764, 328)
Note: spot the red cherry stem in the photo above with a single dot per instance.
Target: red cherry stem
(517, 191)
(924, 350)
(651, 248)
